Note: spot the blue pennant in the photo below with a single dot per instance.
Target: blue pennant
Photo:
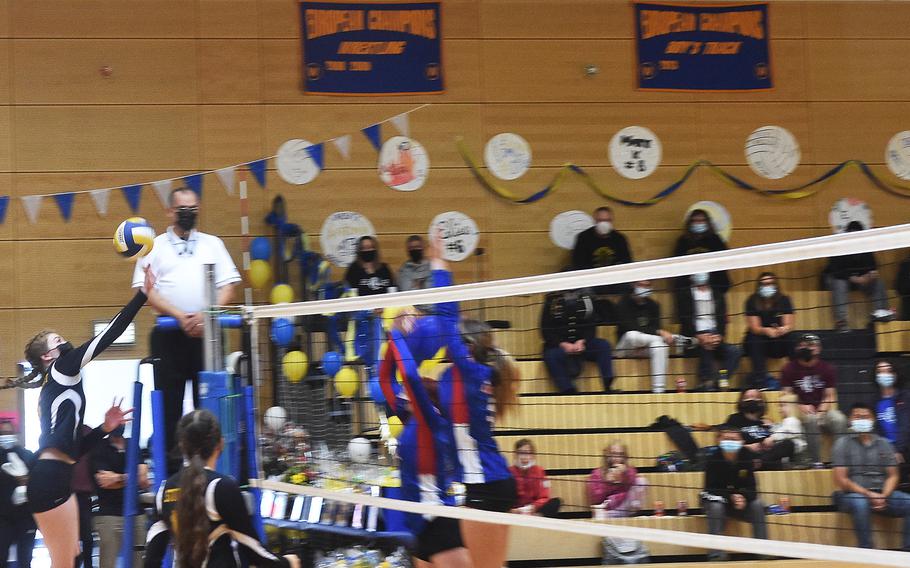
(316, 153)
(374, 135)
(194, 182)
(132, 193)
(4, 203)
(258, 170)
(65, 203)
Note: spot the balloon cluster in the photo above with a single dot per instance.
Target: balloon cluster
(261, 272)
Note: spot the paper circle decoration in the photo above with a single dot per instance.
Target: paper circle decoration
(635, 152)
(459, 234)
(564, 228)
(403, 164)
(507, 156)
(772, 152)
(897, 155)
(294, 163)
(849, 209)
(339, 235)
(720, 217)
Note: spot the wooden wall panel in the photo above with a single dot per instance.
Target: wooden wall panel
(850, 70)
(228, 18)
(229, 71)
(856, 130)
(5, 67)
(102, 19)
(6, 142)
(231, 134)
(856, 20)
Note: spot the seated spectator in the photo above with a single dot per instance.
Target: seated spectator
(769, 323)
(568, 326)
(730, 487)
(814, 381)
(640, 335)
(703, 315)
(892, 411)
(856, 272)
(902, 285)
(600, 246)
(531, 483)
(791, 427)
(414, 273)
(616, 485)
(865, 473)
(699, 237)
(367, 274)
(16, 523)
(757, 431)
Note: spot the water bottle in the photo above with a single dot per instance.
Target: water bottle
(724, 382)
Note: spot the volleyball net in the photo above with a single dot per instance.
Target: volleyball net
(328, 441)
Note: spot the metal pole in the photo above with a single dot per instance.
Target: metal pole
(213, 352)
(159, 453)
(131, 491)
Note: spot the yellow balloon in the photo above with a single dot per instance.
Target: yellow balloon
(347, 381)
(260, 273)
(295, 365)
(395, 426)
(282, 294)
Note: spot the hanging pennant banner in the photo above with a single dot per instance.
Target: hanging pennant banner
(65, 204)
(4, 204)
(132, 193)
(702, 47)
(371, 48)
(101, 197)
(227, 177)
(163, 191)
(32, 206)
(343, 144)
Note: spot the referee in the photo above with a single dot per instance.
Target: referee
(177, 260)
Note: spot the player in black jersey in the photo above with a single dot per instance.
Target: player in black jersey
(205, 510)
(56, 366)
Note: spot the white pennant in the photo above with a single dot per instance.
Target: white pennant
(32, 204)
(343, 144)
(402, 123)
(227, 176)
(101, 198)
(163, 190)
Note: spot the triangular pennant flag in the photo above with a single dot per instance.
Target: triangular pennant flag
(32, 205)
(374, 135)
(65, 204)
(101, 198)
(343, 144)
(258, 169)
(4, 203)
(227, 176)
(402, 124)
(316, 152)
(163, 191)
(194, 182)
(132, 193)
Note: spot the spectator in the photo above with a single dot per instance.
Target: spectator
(16, 523)
(730, 487)
(700, 236)
(703, 315)
(865, 473)
(758, 432)
(568, 326)
(616, 485)
(414, 273)
(814, 382)
(109, 469)
(640, 334)
(790, 426)
(856, 272)
(902, 285)
(769, 323)
(532, 483)
(601, 245)
(892, 411)
(367, 274)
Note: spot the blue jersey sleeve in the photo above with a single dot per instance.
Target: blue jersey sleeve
(419, 397)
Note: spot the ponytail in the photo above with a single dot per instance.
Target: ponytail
(192, 520)
(505, 379)
(34, 349)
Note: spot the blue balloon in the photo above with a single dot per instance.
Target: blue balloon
(331, 363)
(260, 248)
(282, 332)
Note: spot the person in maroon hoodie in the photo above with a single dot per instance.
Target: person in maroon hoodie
(616, 485)
(532, 484)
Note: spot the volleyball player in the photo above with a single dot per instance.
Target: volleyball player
(56, 366)
(205, 510)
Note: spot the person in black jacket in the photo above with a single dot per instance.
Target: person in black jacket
(856, 272)
(730, 487)
(16, 523)
(699, 237)
(703, 315)
(769, 326)
(902, 285)
(368, 275)
(600, 246)
(568, 325)
(757, 431)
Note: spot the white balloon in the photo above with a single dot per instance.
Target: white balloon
(275, 418)
(359, 450)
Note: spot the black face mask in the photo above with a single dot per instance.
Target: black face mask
(64, 347)
(367, 255)
(752, 407)
(416, 255)
(804, 354)
(186, 220)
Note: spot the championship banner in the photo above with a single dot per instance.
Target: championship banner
(702, 47)
(371, 48)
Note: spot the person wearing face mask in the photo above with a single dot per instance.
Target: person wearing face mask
(615, 486)
(700, 237)
(368, 275)
(902, 285)
(601, 245)
(531, 483)
(17, 527)
(640, 333)
(769, 323)
(178, 260)
(414, 273)
(730, 486)
(866, 476)
(814, 381)
(892, 411)
(757, 431)
(702, 313)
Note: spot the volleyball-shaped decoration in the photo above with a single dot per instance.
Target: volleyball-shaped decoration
(134, 237)
(359, 450)
(772, 152)
(347, 382)
(275, 418)
(295, 365)
(897, 155)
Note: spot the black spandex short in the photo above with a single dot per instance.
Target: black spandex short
(49, 485)
(499, 496)
(439, 535)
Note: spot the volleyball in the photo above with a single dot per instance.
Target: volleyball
(134, 237)
(772, 152)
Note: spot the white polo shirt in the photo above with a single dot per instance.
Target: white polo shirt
(179, 268)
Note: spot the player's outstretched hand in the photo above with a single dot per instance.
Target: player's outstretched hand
(149, 283)
(435, 255)
(116, 416)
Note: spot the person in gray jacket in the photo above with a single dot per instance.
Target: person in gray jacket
(414, 273)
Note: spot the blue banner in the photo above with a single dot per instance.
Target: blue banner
(371, 48)
(702, 47)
